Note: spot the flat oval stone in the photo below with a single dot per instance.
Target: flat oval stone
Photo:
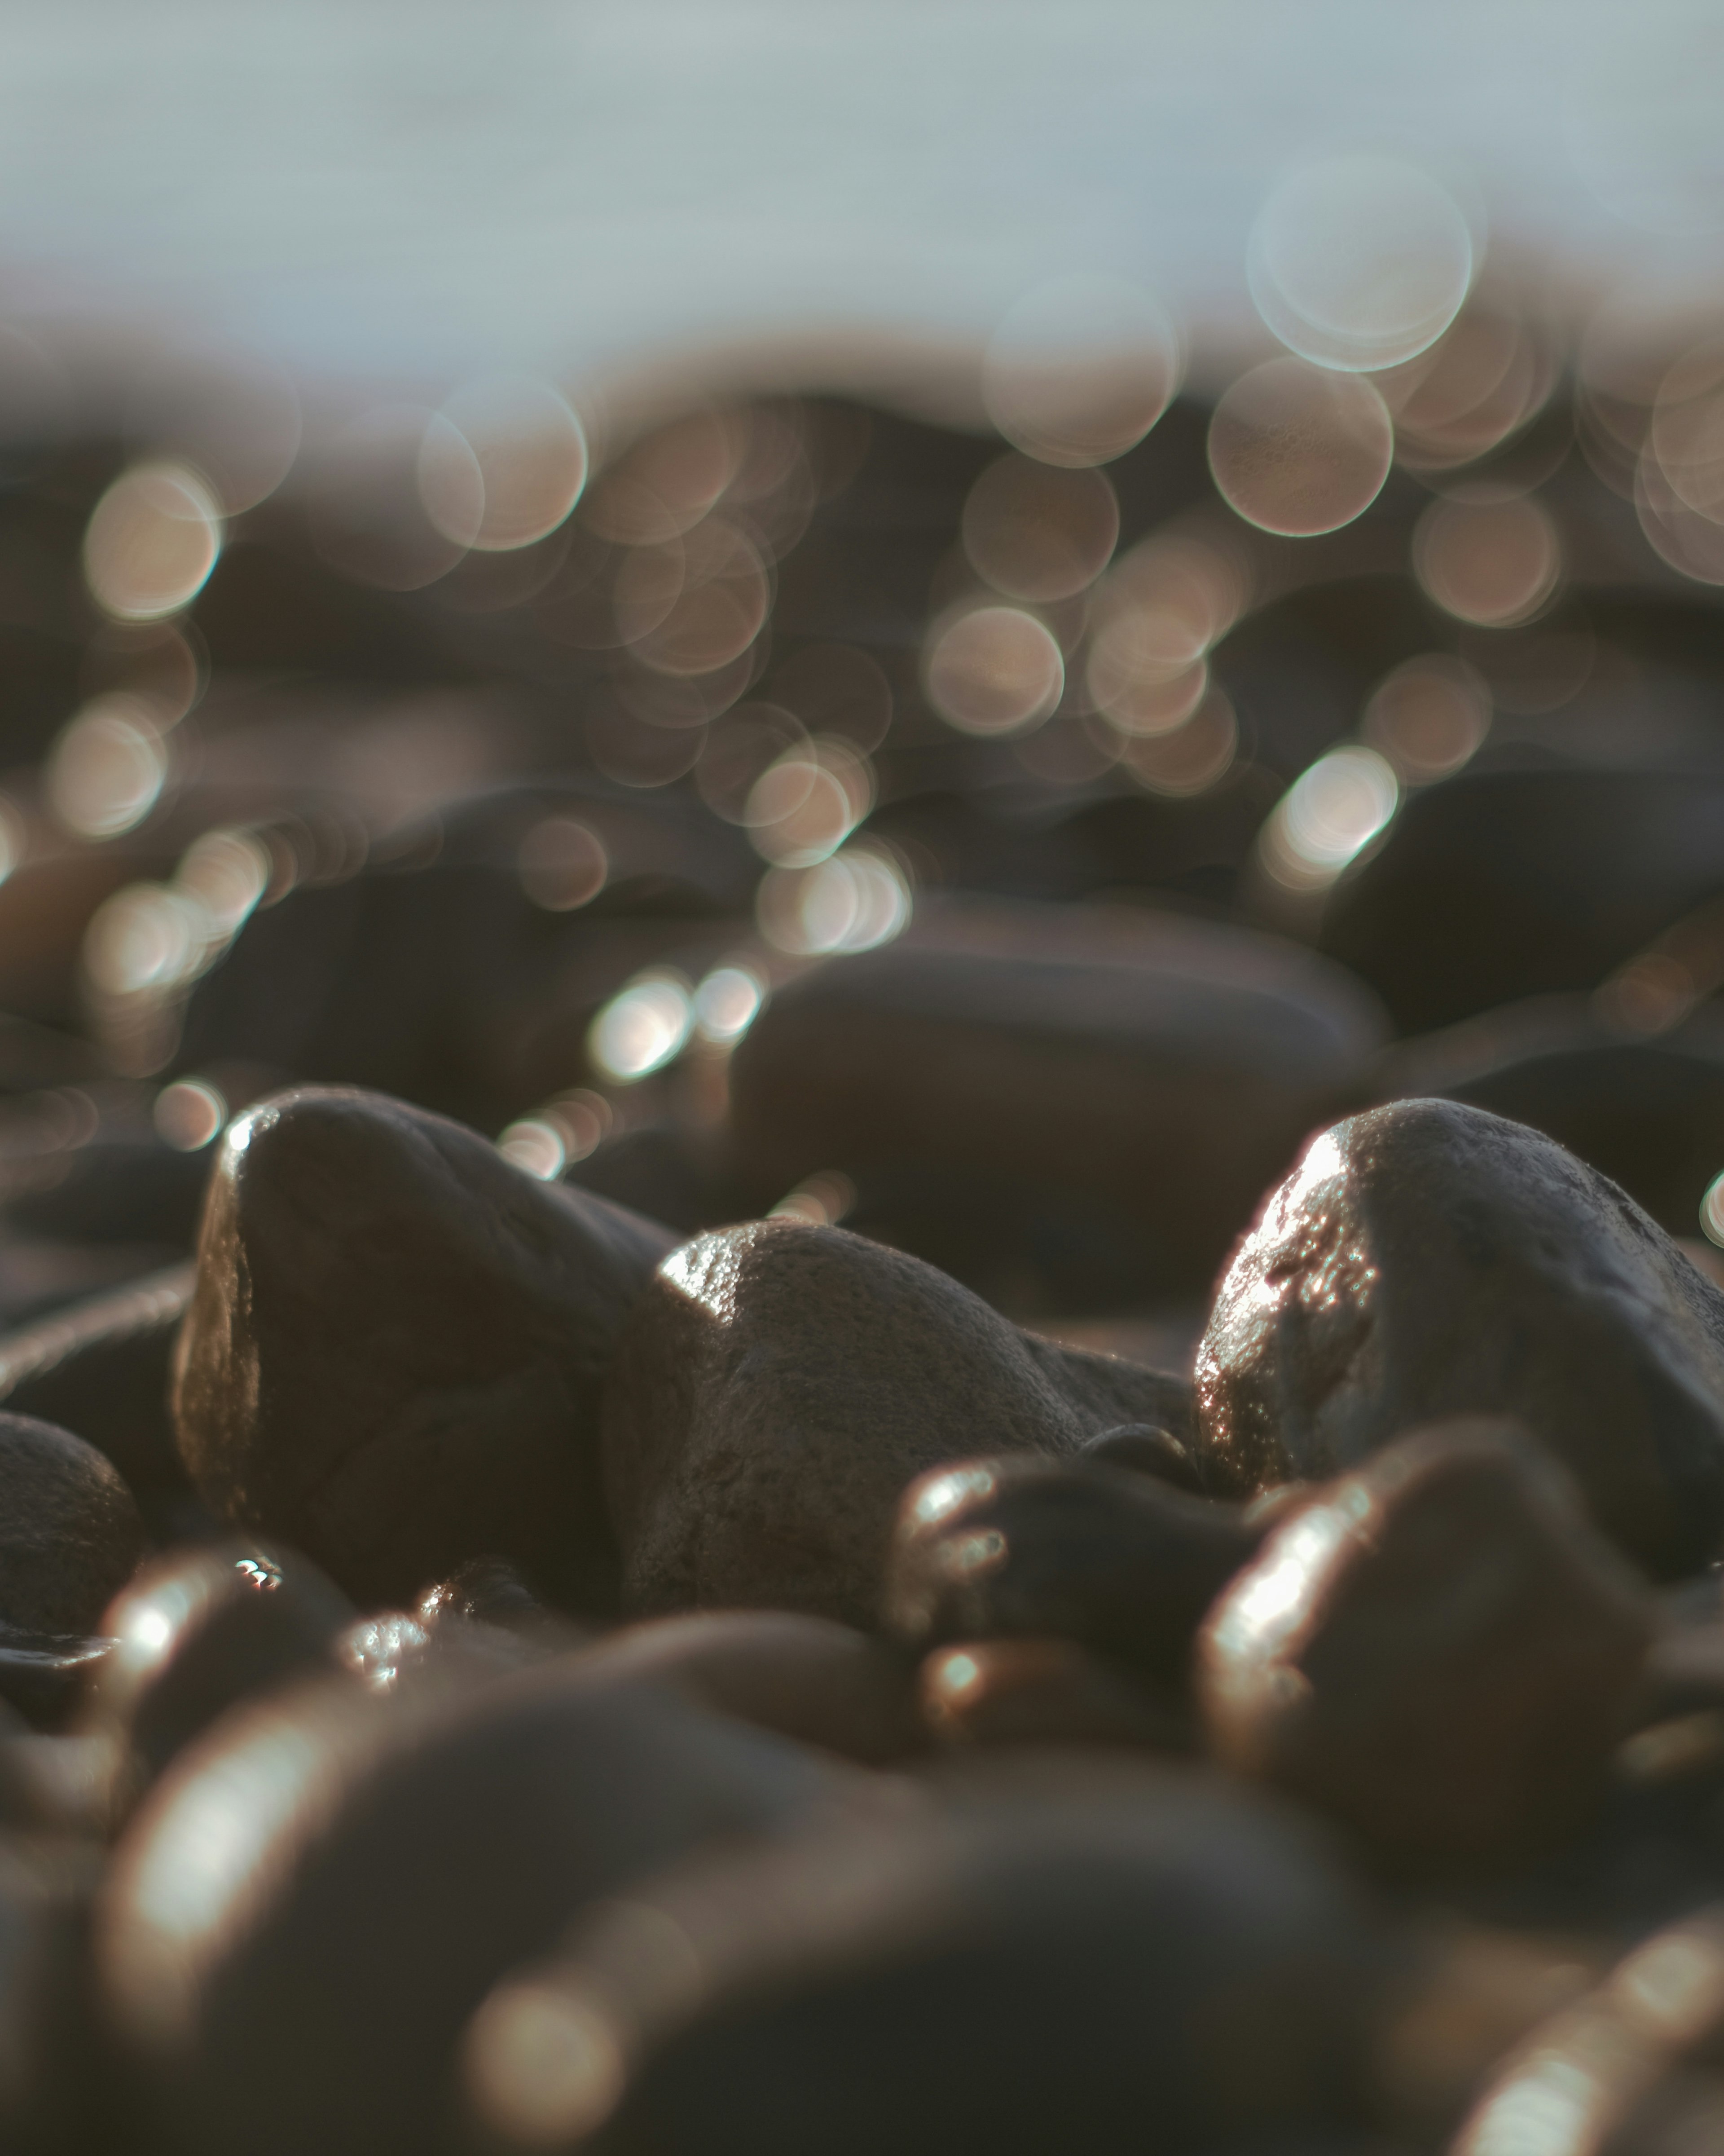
(780, 1385)
(393, 1356)
(1428, 1260)
(1439, 1649)
(313, 1900)
(1160, 1958)
(1163, 1066)
(70, 1532)
(1077, 1550)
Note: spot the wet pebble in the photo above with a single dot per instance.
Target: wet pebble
(993, 1972)
(1079, 1550)
(1046, 1692)
(779, 1386)
(70, 1532)
(1438, 1648)
(198, 1632)
(1427, 1260)
(393, 1352)
(313, 1900)
(1162, 1066)
(822, 1683)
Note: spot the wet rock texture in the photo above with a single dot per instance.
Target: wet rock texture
(1428, 1260)
(393, 1356)
(70, 1532)
(780, 1384)
(1439, 1649)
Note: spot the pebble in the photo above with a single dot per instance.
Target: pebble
(1438, 1648)
(1630, 2069)
(313, 1900)
(1426, 1260)
(1646, 1111)
(1045, 1691)
(1163, 1067)
(100, 1368)
(1500, 884)
(991, 1972)
(392, 1355)
(1078, 1550)
(780, 1385)
(822, 1683)
(70, 1532)
(200, 1631)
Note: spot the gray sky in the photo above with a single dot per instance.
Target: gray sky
(383, 189)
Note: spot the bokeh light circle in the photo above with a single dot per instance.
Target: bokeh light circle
(993, 670)
(1359, 262)
(1297, 449)
(151, 543)
(1493, 560)
(1081, 369)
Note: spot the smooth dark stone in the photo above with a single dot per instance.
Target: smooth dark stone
(1498, 885)
(70, 1532)
(313, 1900)
(196, 1634)
(101, 1368)
(1427, 1260)
(393, 1354)
(1152, 1954)
(1439, 1649)
(1160, 1068)
(1046, 1692)
(1646, 1111)
(1073, 1549)
(781, 1384)
(805, 1677)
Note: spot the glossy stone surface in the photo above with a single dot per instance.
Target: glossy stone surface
(1438, 1648)
(71, 1533)
(393, 1354)
(1000, 1972)
(783, 1382)
(1428, 1260)
(1072, 1549)
(196, 1633)
(311, 1902)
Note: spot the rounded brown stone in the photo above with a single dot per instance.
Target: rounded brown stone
(1428, 1260)
(393, 1354)
(70, 1532)
(1439, 1648)
(779, 1386)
